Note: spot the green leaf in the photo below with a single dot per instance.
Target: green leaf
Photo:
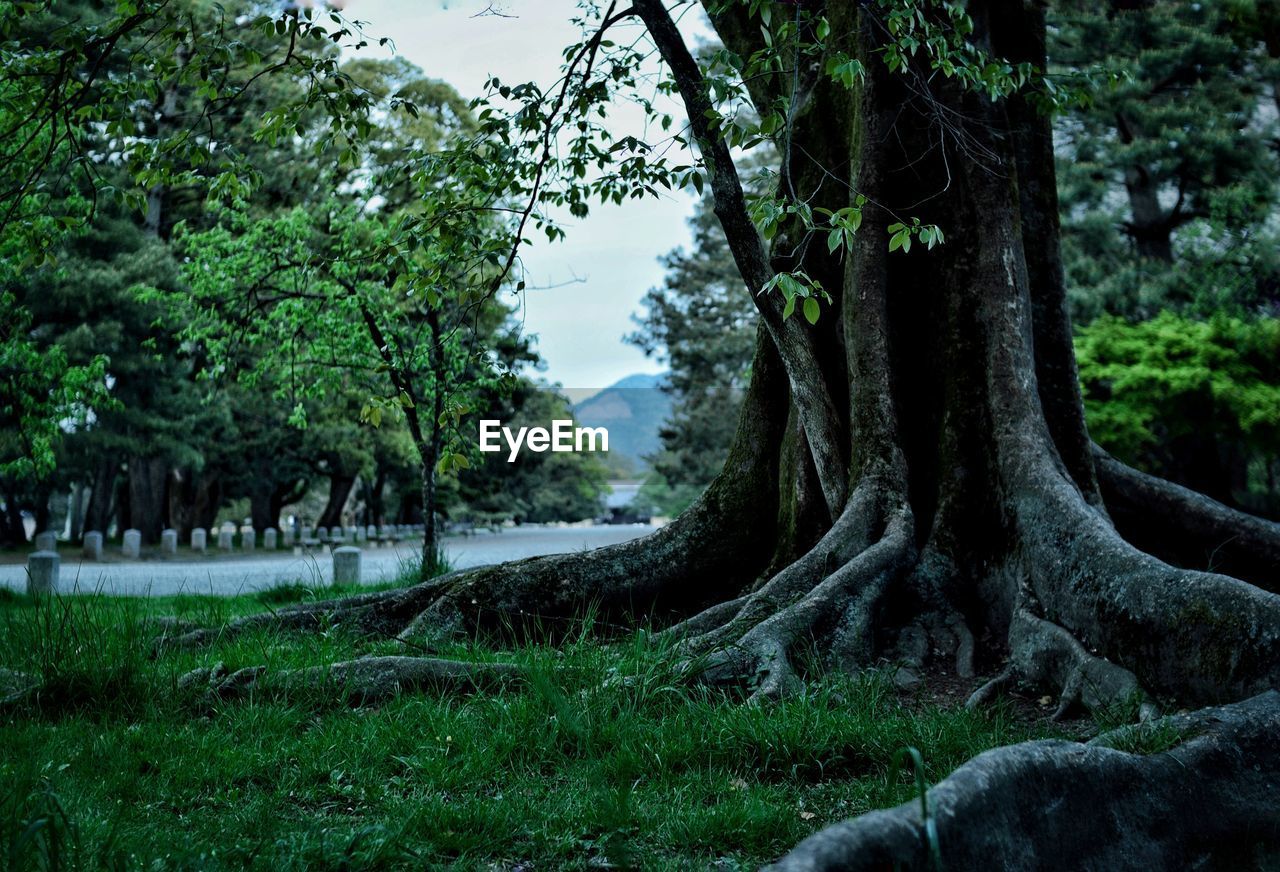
(811, 310)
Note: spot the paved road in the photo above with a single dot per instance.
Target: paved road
(227, 575)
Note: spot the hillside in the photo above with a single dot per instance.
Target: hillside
(633, 409)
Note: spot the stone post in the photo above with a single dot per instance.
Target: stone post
(168, 541)
(346, 565)
(47, 541)
(132, 547)
(92, 545)
(269, 538)
(248, 538)
(226, 539)
(42, 572)
(199, 539)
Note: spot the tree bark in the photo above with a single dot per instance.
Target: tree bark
(1206, 802)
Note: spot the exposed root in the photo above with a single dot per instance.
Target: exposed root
(1043, 655)
(840, 611)
(367, 680)
(1208, 802)
(1197, 636)
(381, 613)
(1188, 528)
(723, 623)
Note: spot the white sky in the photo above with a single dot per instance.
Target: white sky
(614, 251)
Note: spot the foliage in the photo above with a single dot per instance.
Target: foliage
(1189, 399)
(1168, 179)
(41, 394)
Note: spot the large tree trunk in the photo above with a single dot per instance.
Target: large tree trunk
(194, 499)
(97, 515)
(148, 496)
(340, 487)
(959, 524)
(284, 495)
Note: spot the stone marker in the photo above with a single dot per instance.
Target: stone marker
(359, 534)
(199, 539)
(225, 539)
(287, 536)
(269, 538)
(308, 533)
(384, 532)
(353, 534)
(248, 538)
(92, 545)
(322, 533)
(371, 531)
(346, 565)
(47, 541)
(337, 536)
(132, 547)
(42, 572)
(169, 541)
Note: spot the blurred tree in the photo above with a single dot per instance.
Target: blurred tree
(1168, 179)
(702, 324)
(1198, 401)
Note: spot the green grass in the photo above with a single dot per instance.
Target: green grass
(602, 757)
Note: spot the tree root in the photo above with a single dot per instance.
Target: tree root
(1208, 802)
(1043, 655)
(380, 613)
(754, 645)
(1196, 636)
(1188, 528)
(366, 680)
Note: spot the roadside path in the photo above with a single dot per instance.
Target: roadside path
(231, 574)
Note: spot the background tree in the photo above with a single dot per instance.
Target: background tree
(1169, 177)
(702, 325)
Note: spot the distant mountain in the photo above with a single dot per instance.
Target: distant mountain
(633, 409)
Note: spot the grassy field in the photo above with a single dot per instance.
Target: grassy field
(601, 759)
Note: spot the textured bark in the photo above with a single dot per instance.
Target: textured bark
(1188, 528)
(1209, 802)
